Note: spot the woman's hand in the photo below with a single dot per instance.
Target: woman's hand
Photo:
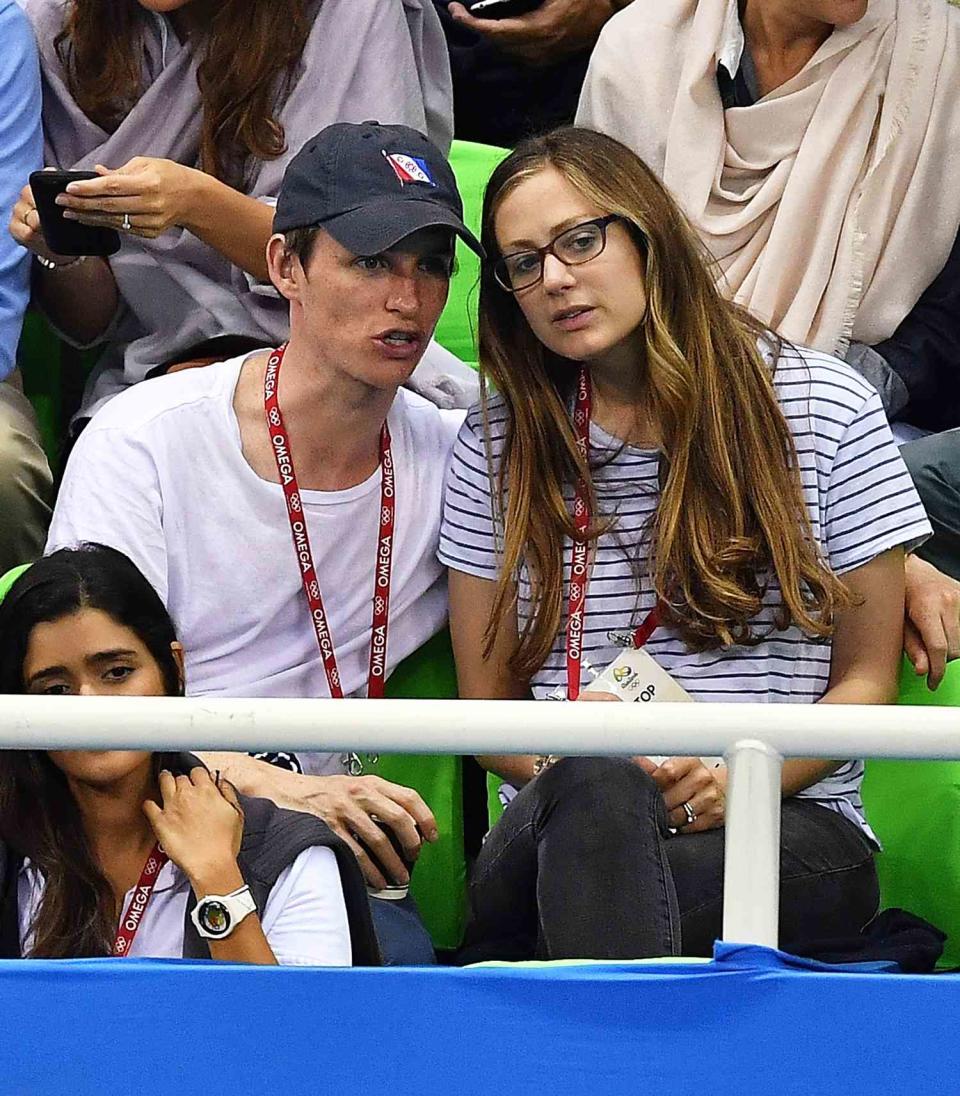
(346, 804)
(154, 194)
(687, 780)
(683, 780)
(25, 228)
(200, 826)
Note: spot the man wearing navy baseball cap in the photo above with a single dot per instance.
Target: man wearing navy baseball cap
(369, 186)
(286, 504)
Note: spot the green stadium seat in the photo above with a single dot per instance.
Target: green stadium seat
(914, 808)
(457, 330)
(39, 354)
(54, 375)
(440, 878)
(11, 576)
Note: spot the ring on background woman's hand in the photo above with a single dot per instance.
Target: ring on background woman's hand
(689, 812)
(125, 223)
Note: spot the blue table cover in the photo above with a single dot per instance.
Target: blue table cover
(746, 1024)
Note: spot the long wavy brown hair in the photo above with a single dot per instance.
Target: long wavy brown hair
(731, 513)
(249, 52)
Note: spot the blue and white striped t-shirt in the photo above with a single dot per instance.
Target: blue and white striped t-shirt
(859, 496)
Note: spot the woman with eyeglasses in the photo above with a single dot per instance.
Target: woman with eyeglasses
(662, 502)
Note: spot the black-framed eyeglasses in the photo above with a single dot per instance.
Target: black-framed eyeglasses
(572, 247)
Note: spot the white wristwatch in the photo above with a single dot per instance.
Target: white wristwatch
(217, 915)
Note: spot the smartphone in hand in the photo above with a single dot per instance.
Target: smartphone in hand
(501, 9)
(62, 236)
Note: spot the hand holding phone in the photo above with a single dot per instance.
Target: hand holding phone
(501, 9)
(536, 32)
(61, 236)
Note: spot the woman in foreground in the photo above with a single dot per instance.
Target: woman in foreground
(132, 853)
(707, 486)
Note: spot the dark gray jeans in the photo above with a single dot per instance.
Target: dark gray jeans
(582, 865)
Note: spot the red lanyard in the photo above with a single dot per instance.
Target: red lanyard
(579, 567)
(133, 915)
(301, 541)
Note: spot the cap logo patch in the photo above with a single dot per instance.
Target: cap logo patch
(409, 169)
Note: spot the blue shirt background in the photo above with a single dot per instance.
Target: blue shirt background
(21, 151)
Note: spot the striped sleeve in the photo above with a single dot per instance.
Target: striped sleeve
(871, 503)
(467, 535)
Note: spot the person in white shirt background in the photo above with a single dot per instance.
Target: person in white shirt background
(117, 852)
(181, 474)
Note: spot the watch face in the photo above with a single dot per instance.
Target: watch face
(215, 918)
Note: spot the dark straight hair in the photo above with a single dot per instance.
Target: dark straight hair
(39, 818)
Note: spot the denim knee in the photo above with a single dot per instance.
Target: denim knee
(597, 786)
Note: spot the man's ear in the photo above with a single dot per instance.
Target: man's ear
(284, 267)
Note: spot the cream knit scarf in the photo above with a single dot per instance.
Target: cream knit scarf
(831, 203)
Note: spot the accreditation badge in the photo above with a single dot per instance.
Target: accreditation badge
(635, 675)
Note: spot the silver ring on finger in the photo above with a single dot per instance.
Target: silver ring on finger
(125, 223)
(689, 812)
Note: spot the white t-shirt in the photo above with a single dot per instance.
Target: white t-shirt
(859, 497)
(160, 475)
(304, 919)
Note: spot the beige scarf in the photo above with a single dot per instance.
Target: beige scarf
(831, 203)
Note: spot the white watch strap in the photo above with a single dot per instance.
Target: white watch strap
(238, 904)
(243, 898)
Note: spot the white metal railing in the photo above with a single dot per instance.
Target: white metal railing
(754, 739)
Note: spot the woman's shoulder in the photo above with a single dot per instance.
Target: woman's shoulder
(278, 833)
(274, 838)
(634, 40)
(635, 20)
(491, 415)
(352, 18)
(824, 385)
(482, 434)
(47, 17)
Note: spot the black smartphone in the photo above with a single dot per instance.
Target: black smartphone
(62, 236)
(501, 9)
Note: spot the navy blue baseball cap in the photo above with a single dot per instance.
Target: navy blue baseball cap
(369, 185)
